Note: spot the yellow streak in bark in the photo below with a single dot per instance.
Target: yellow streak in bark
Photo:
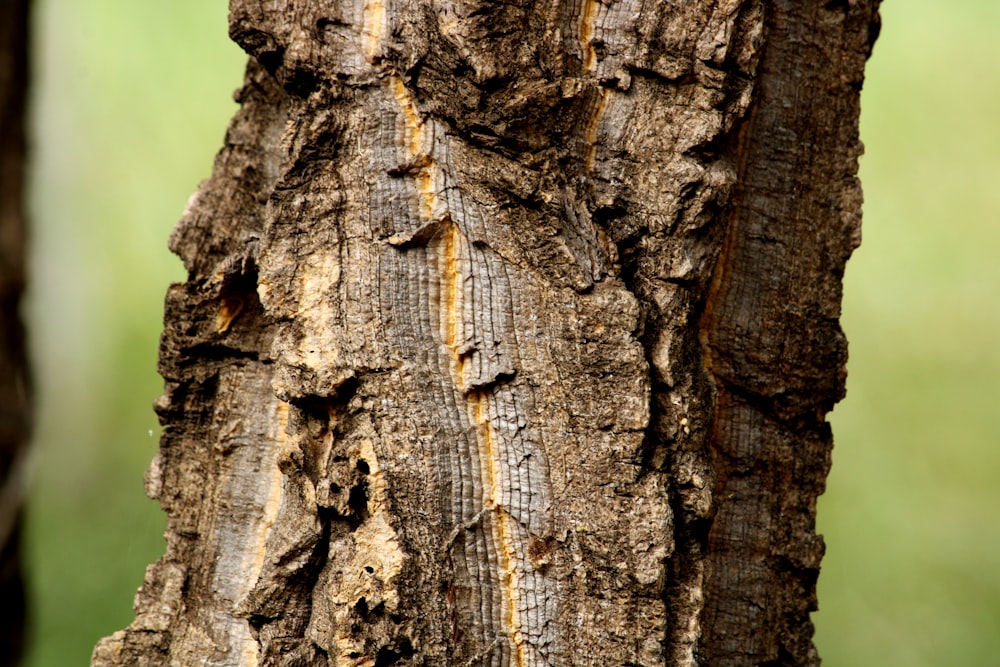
(316, 310)
(414, 127)
(452, 281)
(374, 16)
(489, 459)
(588, 16)
(250, 653)
(451, 297)
(504, 541)
(592, 126)
(410, 116)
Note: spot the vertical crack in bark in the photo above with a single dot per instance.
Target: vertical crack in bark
(454, 245)
(668, 248)
(460, 271)
(508, 551)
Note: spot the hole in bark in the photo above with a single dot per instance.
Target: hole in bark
(605, 214)
(363, 466)
(600, 50)
(389, 655)
(369, 569)
(271, 60)
(358, 500)
(361, 608)
(302, 82)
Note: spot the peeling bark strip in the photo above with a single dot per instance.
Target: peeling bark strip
(456, 377)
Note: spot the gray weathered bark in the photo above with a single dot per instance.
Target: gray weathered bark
(15, 417)
(508, 338)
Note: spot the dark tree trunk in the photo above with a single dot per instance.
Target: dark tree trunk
(508, 338)
(14, 390)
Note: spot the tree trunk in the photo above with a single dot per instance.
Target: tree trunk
(508, 338)
(15, 414)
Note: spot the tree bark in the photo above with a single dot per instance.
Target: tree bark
(15, 409)
(508, 337)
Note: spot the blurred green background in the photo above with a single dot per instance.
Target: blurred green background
(131, 102)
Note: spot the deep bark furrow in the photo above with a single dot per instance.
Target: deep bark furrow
(668, 234)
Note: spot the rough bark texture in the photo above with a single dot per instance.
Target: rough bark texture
(508, 338)
(14, 389)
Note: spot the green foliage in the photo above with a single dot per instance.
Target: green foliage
(131, 102)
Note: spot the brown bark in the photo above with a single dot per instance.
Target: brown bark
(508, 338)
(14, 389)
